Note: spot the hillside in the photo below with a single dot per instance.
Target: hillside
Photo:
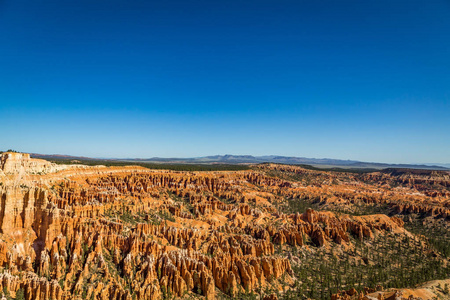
(271, 231)
(249, 159)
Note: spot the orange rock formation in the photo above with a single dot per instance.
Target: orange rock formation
(133, 233)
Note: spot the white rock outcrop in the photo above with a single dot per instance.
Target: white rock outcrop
(15, 163)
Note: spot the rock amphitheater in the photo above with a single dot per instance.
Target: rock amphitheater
(125, 233)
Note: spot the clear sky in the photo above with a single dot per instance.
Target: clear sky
(366, 80)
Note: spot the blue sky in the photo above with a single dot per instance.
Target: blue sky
(365, 80)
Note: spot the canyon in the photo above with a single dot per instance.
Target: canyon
(129, 232)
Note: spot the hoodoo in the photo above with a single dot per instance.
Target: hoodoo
(96, 232)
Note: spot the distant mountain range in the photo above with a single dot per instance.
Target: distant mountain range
(249, 159)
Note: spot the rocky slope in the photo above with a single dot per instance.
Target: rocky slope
(132, 233)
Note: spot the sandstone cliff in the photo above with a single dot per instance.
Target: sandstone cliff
(132, 233)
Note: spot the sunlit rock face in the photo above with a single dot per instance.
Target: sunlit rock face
(78, 232)
(14, 163)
